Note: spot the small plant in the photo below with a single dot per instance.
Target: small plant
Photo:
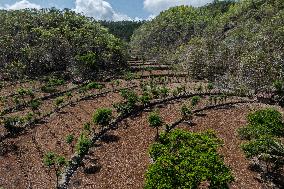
(55, 82)
(48, 89)
(195, 100)
(59, 101)
(29, 117)
(34, 104)
(83, 144)
(186, 112)
(155, 121)
(278, 86)
(102, 117)
(69, 140)
(55, 162)
(87, 127)
(145, 98)
(69, 95)
(164, 92)
(94, 85)
(210, 87)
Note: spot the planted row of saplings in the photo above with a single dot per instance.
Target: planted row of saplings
(49, 86)
(16, 125)
(132, 104)
(21, 103)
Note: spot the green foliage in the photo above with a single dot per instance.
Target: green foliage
(278, 85)
(48, 89)
(56, 162)
(185, 159)
(34, 104)
(83, 144)
(210, 86)
(186, 112)
(145, 98)
(155, 120)
(59, 101)
(87, 127)
(41, 42)
(70, 139)
(102, 117)
(94, 85)
(55, 82)
(264, 125)
(131, 100)
(263, 122)
(195, 100)
(164, 91)
(216, 41)
(122, 29)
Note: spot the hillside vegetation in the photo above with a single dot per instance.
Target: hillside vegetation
(237, 44)
(40, 42)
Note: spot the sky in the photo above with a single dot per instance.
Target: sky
(106, 9)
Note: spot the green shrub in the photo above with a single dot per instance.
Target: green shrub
(145, 98)
(87, 127)
(48, 89)
(55, 82)
(94, 85)
(102, 116)
(195, 100)
(263, 122)
(210, 86)
(186, 159)
(155, 121)
(70, 139)
(83, 144)
(267, 149)
(34, 104)
(12, 123)
(186, 112)
(164, 91)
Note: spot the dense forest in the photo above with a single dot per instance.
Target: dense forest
(40, 42)
(122, 29)
(237, 44)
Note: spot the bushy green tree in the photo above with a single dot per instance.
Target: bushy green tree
(102, 117)
(186, 159)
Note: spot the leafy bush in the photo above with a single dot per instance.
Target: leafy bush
(195, 100)
(70, 139)
(83, 144)
(102, 116)
(185, 159)
(155, 121)
(263, 122)
(263, 126)
(164, 91)
(145, 98)
(94, 85)
(186, 112)
(34, 104)
(48, 89)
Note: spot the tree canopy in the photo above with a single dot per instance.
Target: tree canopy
(38, 42)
